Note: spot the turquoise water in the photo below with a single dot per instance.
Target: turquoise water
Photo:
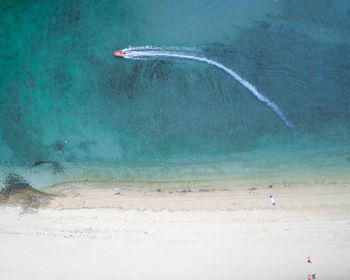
(65, 98)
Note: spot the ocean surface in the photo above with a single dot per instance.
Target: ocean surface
(70, 110)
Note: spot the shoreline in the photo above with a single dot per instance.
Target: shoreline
(250, 169)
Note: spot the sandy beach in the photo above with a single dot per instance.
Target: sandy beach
(194, 233)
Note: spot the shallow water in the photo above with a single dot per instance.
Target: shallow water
(65, 98)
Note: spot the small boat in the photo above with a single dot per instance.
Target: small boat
(119, 53)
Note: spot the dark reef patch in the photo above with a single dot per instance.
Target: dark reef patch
(56, 167)
(14, 182)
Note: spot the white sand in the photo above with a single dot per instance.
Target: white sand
(247, 239)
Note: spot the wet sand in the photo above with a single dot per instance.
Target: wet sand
(178, 233)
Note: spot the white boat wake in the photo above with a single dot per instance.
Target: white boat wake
(189, 53)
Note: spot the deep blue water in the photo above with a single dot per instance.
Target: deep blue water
(65, 99)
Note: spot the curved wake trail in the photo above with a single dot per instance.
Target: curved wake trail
(154, 52)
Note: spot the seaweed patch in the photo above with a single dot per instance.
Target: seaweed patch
(14, 182)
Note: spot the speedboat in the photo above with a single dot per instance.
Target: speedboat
(119, 53)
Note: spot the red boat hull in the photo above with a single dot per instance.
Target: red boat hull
(119, 53)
